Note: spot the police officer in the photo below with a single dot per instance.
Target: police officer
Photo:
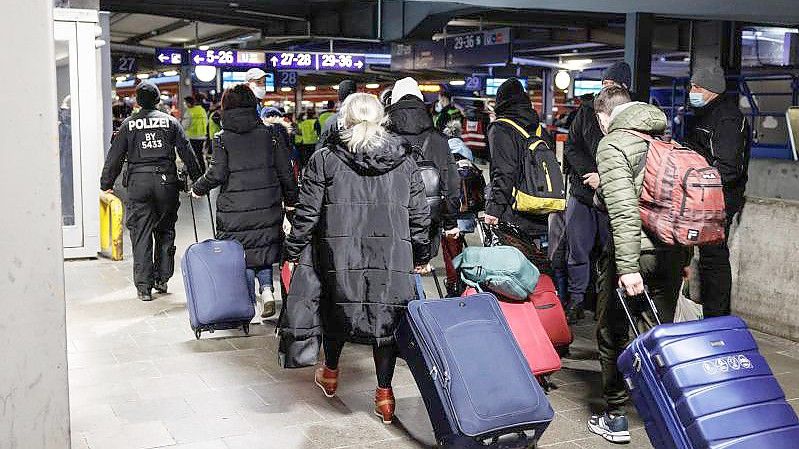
(148, 140)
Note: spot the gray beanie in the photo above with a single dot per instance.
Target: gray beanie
(711, 78)
(620, 73)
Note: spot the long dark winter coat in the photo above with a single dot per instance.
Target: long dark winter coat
(254, 171)
(368, 213)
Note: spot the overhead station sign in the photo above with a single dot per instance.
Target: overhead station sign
(481, 48)
(170, 56)
(329, 62)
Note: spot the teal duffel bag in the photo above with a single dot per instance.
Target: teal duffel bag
(503, 270)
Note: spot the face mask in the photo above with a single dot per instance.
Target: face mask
(258, 91)
(602, 125)
(438, 107)
(697, 99)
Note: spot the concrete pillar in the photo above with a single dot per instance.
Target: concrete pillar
(106, 83)
(34, 400)
(638, 52)
(717, 43)
(547, 95)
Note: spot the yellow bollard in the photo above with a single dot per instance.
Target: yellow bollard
(111, 214)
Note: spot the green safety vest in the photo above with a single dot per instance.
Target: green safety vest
(308, 132)
(213, 127)
(199, 122)
(324, 117)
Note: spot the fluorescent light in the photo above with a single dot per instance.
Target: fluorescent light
(430, 88)
(143, 76)
(457, 83)
(170, 73)
(373, 86)
(204, 47)
(334, 87)
(121, 78)
(285, 89)
(310, 88)
(577, 64)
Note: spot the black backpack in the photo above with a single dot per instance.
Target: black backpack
(473, 187)
(431, 177)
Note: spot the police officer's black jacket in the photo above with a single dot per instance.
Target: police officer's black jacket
(367, 215)
(148, 140)
(410, 119)
(720, 132)
(256, 178)
(579, 153)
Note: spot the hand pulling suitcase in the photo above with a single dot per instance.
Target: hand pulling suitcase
(474, 380)
(704, 385)
(218, 294)
(530, 334)
(550, 310)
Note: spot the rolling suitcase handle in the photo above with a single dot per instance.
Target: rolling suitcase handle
(623, 298)
(194, 217)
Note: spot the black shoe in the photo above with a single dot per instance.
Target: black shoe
(160, 287)
(613, 428)
(573, 316)
(145, 294)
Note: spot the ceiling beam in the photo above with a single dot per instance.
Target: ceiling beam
(152, 34)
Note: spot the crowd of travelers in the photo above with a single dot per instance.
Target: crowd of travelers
(373, 187)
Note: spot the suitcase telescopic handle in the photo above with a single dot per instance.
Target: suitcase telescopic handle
(194, 217)
(623, 298)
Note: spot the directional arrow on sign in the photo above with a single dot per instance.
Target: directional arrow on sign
(197, 59)
(359, 64)
(163, 58)
(274, 61)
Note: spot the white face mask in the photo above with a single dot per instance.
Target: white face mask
(438, 107)
(258, 91)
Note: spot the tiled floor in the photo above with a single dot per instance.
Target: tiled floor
(139, 379)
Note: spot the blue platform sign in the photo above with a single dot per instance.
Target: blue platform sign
(216, 58)
(473, 83)
(480, 48)
(170, 56)
(328, 62)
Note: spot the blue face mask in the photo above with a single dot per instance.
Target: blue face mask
(697, 99)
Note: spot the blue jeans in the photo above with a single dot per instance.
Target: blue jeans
(586, 227)
(264, 276)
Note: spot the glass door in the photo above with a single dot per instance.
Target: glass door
(69, 138)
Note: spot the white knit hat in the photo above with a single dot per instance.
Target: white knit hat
(405, 86)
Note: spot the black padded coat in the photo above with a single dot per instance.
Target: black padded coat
(253, 169)
(367, 215)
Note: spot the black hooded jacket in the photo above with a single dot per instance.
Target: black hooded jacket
(367, 215)
(720, 132)
(506, 145)
(579, 154)
(256, 178)
(410, 120)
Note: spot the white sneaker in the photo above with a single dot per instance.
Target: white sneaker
(268, 308)
(259, 309)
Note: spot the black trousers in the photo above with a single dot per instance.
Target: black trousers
(385, 358)
(715, 276)
(152, 211)
(197, 146)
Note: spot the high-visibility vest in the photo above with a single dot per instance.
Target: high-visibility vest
(199, 122)
(307, 129)
(324, 117)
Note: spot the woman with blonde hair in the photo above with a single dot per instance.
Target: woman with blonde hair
(363, 205)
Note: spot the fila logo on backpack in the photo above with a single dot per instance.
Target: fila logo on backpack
(540, 188)
(682, 200)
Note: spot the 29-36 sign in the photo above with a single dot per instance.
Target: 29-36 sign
(317, 61)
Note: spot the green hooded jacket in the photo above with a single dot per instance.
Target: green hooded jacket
(618, 157)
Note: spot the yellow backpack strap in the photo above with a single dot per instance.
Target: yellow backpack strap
(539, 131)
(515, 125)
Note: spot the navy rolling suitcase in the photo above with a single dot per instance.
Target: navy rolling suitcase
(475, 382)
(704, 385)
(218, 293)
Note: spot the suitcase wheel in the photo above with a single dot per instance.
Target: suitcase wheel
(246, 328)
(197, 333)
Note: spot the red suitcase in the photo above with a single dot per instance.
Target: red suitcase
(550, 310)
(531, 336)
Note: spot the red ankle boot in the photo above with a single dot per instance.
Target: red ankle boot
(327, 380)
(384, 404)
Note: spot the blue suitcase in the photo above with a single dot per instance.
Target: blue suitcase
(475, 382)
(218, 292)
(704, 385)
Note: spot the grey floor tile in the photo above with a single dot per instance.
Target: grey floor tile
(92, 418)
(285, 438)
(146, 435)
(278, 416)
(228, 400)
(207, 426)
(360, 428)
(169, 386)
(211, 444)
(143, 410)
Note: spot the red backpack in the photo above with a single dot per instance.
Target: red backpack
(682, 200)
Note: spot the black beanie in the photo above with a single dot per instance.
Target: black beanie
(511, 92)
(345, 88)
(147, 95)
(620, 73)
